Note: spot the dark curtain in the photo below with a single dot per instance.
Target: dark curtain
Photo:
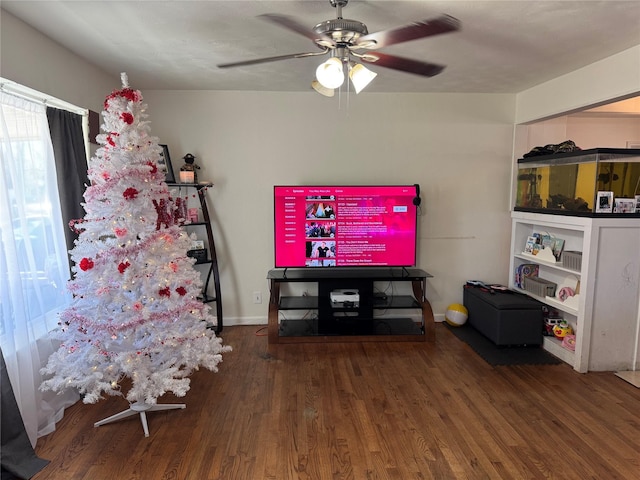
(71, 165)
(17, 457)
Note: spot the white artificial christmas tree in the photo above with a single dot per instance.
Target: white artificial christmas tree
(135, 312)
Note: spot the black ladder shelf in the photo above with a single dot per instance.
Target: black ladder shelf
(201, 188)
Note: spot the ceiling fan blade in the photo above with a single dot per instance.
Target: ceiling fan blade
(412, 31)
(292, 24)
(404, 64)
(271, 59)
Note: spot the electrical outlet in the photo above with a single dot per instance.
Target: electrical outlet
(257, 297)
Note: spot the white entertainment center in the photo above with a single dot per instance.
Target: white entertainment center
(606, 313)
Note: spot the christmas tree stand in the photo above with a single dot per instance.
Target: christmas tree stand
(141, 408)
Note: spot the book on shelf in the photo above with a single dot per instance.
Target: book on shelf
(523, 271)
(547, 241)
(531, 246)
(558, 246)
(537, 242)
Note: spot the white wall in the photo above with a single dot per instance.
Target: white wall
(586, 130)
(615, 77)
(457, 147)
(603, 131)
(32, 59)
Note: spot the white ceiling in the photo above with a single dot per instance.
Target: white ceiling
(503, 47)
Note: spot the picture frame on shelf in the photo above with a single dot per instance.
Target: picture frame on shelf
(604, 202)
(637, 197)
(165, 164)
(193, 215)
(624, 205)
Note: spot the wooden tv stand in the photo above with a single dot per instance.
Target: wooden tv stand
(348, 322)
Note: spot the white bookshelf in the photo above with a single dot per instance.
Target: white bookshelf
(606, 314)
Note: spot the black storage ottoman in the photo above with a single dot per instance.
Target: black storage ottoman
(506, 318)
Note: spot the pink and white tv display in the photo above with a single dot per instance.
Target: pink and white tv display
(345, 226)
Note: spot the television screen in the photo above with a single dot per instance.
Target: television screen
(345, 226)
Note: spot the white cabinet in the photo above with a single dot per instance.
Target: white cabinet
(606, 313)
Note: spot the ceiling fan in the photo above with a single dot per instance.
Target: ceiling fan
(343, 39)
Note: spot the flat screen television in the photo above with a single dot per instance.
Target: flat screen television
(345, 226)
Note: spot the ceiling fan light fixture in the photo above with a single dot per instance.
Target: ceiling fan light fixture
(330, 73)
(360, 77)
(369, 57)
(366, 44)
(325, 43)
(322, 90)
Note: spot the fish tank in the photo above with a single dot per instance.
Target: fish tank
(595, 182)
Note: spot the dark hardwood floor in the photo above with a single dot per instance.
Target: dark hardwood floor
(361, 411)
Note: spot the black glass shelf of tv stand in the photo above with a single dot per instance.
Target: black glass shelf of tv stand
(362, 320)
